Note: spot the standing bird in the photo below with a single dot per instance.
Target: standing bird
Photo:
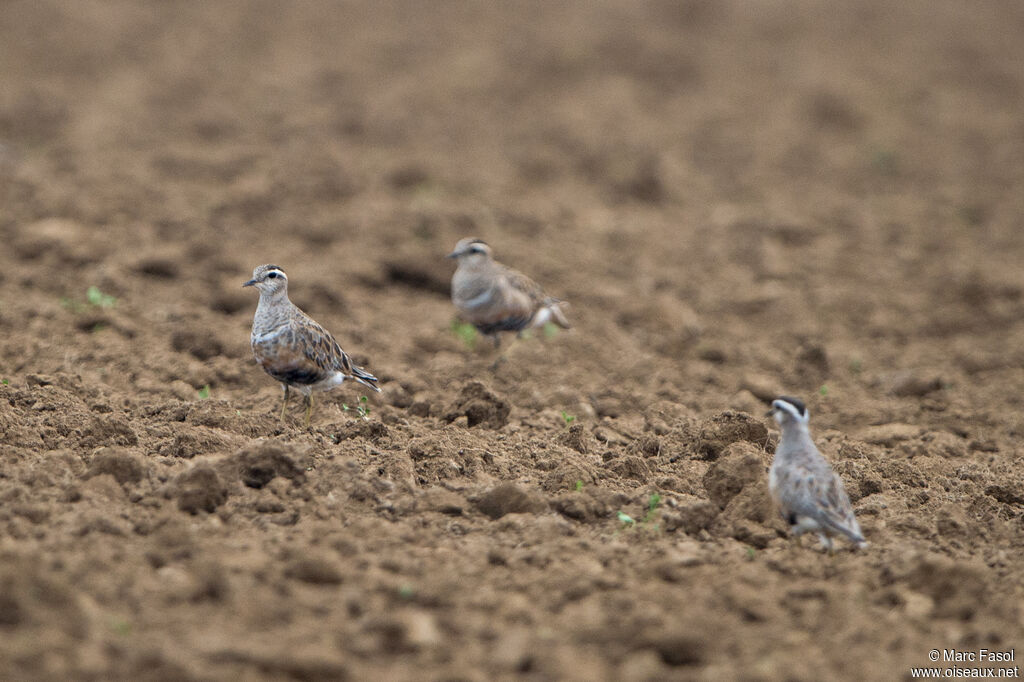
(292, 347)
(808, 492)
(494, 298)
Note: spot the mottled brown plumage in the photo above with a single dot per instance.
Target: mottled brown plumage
(292, 348)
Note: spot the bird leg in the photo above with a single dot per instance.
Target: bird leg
(309, 407)
(507, 352)
(284, 403)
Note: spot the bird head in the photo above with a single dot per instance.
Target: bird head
(471, 251)
(788, 410)
(269, 279)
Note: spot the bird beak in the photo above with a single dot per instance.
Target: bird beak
(250, 283)
(453, 254)
(769, 413)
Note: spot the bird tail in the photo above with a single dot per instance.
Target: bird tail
(365, 378)
(555, 309)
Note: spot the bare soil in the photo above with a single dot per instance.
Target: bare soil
(738, 199)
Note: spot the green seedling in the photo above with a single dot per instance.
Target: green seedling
(362, 409)
(751, 553)
(823, 390)
(650, 516)
(579, 485)
(465, 332)
(5, 382)
(97, 298)
(652, 507)
(204, 392)
(550, 330)
(568, 418)
(406, 591)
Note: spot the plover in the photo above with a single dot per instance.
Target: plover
(808, 492)
(292, 347)
(494, 298)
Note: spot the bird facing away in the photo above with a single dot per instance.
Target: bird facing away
(808, 492)
(494, 298)
(292, 347)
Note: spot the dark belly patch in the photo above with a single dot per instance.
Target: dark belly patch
(297, 375)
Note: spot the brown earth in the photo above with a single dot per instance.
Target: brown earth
(737, 198)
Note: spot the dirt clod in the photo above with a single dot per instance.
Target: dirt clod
(739, 464)
(722, 429)
(480, 406)
(261, 463)
(124, 465)
(509, 498)
(199, 489)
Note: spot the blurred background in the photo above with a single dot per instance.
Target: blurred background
(738, 198)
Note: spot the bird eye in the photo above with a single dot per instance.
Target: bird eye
(272, 275)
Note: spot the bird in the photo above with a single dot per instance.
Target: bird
(809, 494)
(495, 298)
(291, 347)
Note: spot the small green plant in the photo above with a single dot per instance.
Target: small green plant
(650, 516)
(97, 298)
(823, 390)
(568, 418)
(751, 553)
(579, 485)
(5, 382)
(204, 392)
(652, 507)
(93, 297)
(550, 330)
(465, 332)
(362, 409)
(406, 591)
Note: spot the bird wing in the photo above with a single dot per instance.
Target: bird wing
(520, 285)
(323, 350)
(320, 347)
(817, 492)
